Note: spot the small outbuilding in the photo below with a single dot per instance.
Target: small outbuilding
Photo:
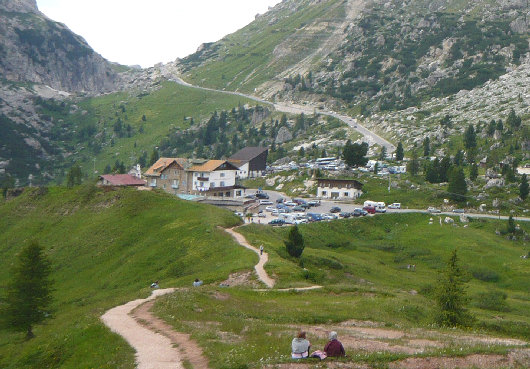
(339, 188)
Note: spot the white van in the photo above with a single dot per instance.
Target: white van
(288, 218)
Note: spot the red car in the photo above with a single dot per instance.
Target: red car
(369, 209)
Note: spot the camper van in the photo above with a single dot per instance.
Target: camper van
(288, 218)
(380, 207)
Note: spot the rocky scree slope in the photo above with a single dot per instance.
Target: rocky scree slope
(376, 55)
(39, 60)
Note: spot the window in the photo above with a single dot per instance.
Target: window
(346, 194)
(213, 184)
(324, 193)
(202, 184)
(175, 183)
(222, 175)
(222, 184)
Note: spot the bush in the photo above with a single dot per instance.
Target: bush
(492, 300)
(485, 275)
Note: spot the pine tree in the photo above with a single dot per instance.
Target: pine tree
(74, 176)
(295, 243)
(513, 121)
(473, 172)
(511, 225)
(399, 152)
(523, 187)
(413, 166)
(154, 157)
(470, 137)
(382, 155)
(457, 185)
(432, 171)
(451, 296)
(29, 292)
(426, 146)
(355, 154)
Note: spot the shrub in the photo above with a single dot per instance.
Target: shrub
(492, 300)
(485, 275)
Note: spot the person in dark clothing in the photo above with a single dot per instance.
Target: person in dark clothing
(334, 347)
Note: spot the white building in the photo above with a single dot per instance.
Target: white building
(339, 188)
(215, 178)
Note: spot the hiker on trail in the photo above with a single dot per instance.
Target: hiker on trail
(334, 347)
(300, 346)
(197, 282)
(154, 285)
(261, 250)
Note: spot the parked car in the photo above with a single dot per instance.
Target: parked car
(313, 202)
(395, 205)
(335, 209)
(265, 202)
(250, 197)
(344, 214)
(290, 203)
(238, 213)
(261, 195)
(329, 216)
(299, 208)
(275, 212)
(280, 200)
(459, 211)
(380, 210)
(262, 215)
(269, 208)
(314, 217)
(369, 209)
(358, 212)
(277, 222)
(432, 209)
(300, 201)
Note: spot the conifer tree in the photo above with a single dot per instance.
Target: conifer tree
(74, 176)
(426, 146)
(457, 185)
(29, 292)
(154, 156)
(451, 296)
(295, 243)
(523, 187)
(470, 138)
(413, 166)
(399, 152)
(473, 172)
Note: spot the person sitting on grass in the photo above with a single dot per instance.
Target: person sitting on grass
(300, 346)
(334, 347)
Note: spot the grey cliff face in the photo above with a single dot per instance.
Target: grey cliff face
(25, 6)
(36, 49)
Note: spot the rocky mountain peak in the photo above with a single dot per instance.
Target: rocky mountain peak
(19, 6)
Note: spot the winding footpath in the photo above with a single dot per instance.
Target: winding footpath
(259, 267)
(157, 344)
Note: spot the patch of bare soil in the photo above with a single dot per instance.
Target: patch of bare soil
(190, 350)
(513, 360)
(241, 279)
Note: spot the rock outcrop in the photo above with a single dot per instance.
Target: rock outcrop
(33, 48)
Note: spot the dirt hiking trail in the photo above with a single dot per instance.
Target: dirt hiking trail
(159, 346)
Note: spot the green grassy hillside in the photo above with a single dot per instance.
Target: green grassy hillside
(121, 126)
(362, 264)
(106, 248)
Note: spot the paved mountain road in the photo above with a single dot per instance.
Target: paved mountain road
(291, 108)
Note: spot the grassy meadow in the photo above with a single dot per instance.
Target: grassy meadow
(106, 248)
(362, 264)
(88, 131)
